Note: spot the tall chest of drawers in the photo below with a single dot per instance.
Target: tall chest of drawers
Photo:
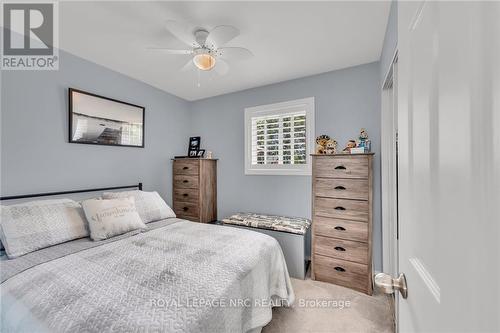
(342, 220)
(195, 189)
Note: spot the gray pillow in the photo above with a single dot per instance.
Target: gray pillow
(150, 206)
(111, 217)
(31, 226)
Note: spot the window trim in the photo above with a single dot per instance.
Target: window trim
(306, 104)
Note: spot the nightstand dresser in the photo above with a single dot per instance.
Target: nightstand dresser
(342, 220)
(195, 189)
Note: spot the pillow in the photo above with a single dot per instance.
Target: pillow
(112, 217)
(31, 226)
(150, 206)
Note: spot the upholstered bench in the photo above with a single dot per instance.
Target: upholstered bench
(292, 233)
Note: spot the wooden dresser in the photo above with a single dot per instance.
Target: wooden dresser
(195, 189)
(342, 220)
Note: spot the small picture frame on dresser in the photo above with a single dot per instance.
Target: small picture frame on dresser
(194, 146)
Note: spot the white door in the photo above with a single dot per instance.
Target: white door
(449, 165)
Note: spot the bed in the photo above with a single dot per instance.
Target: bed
(175, 276)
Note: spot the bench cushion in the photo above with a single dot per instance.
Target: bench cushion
(296, 225)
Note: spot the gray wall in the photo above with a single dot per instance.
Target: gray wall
(390, 41)
(36, 155)
(346, 100)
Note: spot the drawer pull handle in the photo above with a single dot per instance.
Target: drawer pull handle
(339, 187)
(185, 209)
(339, 228)
(339, 269)
(185, 181)
(185, 168)
(339, 208)
(185, 194)
(340, 167)
(339, 248)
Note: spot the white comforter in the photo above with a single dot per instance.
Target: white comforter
(182, 277)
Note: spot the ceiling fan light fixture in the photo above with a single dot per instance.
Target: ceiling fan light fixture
(207, 48)
(204, 61)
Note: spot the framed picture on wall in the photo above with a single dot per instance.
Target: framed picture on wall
(100, 120)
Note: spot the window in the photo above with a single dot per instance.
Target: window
(279, 138)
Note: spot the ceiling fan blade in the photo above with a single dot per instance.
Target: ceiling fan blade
(234, 53)
(182, 33)
(220, 35)
(170, 51)
(188, 66)
(221, 67)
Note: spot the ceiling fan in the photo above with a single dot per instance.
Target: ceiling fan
(206, 48)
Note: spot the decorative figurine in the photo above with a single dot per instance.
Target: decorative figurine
(350, 144)
(321, 142)
(331, 147)
(363, 141)
(363, 135)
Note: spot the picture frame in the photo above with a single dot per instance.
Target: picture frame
(194, 146)
(200, 153)
(99, 120)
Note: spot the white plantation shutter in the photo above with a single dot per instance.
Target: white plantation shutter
(279, 138)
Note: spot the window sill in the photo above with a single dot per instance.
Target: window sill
(277, 172)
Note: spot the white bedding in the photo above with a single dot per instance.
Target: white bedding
(176, 277)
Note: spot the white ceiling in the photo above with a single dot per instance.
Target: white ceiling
(289, 39)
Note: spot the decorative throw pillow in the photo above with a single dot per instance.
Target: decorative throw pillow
(34, 225)
(150, 206)
(112, 217)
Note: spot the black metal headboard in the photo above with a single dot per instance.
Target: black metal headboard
(23, 196)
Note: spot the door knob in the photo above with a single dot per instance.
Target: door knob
(388, 285)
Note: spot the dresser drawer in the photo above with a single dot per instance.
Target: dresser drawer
(186, 167)
(186, 194)
(344, 273)
(341, 265)
(341, 249)
(185, 181)
(342, 208)
(341, 167)
(186, 209)
(345, 229)
(342, 188)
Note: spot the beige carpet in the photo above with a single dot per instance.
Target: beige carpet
(364, 314)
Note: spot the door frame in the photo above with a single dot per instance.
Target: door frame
(389, 123)
(389, 175)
